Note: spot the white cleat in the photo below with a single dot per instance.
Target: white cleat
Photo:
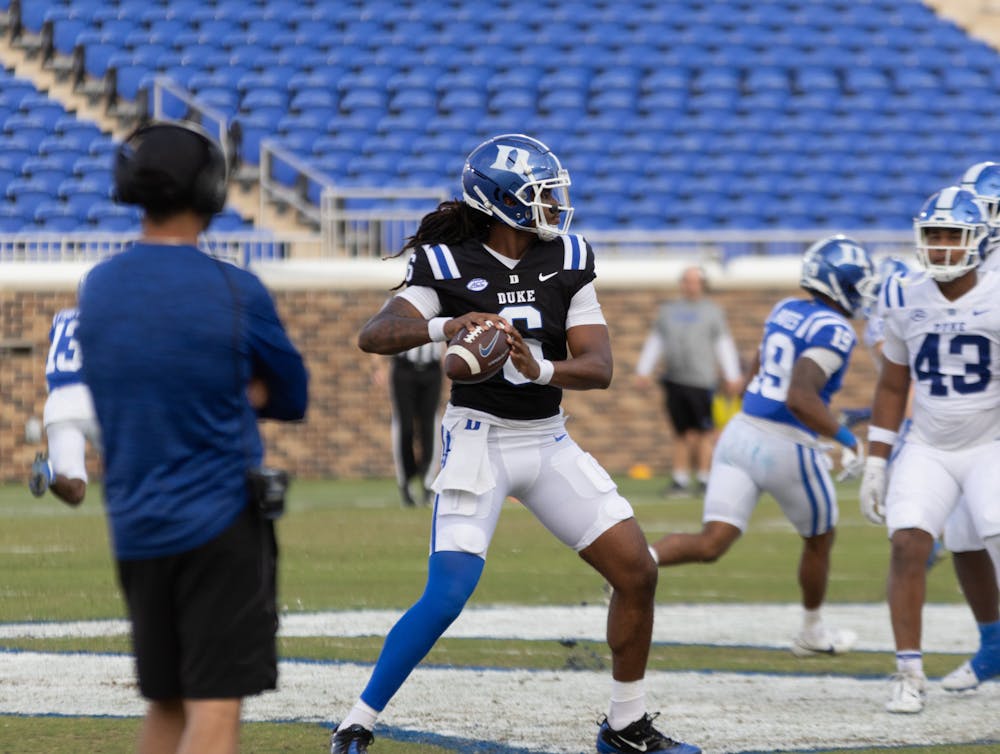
(962, 678)
(908, 693)
(826, 642)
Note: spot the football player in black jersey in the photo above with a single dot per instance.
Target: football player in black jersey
(504, 253)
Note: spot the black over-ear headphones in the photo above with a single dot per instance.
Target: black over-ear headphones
(206, 189)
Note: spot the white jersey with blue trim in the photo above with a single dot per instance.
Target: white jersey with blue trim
(794, 326)
(65, 360)
(953, 351)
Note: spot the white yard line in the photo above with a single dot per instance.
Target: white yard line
(513, 711)
(542, 711)
(947, 628)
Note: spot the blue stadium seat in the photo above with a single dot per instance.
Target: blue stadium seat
(462, 99)
(92, 167)
(229, 221)
(113, 217)
(305, 100)
(55, 216)
(755, 91)
(27, 195)
(12, 220)
(75, 185)
(26, 127)
(96, 57)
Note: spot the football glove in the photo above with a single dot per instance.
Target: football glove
(852, 462)
(873, 485)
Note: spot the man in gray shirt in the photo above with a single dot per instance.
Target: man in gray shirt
(691, 340)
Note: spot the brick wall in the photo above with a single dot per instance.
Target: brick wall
(347, 430)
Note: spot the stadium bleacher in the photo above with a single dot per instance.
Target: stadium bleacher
(669, 113)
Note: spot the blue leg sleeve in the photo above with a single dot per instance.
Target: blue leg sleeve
(451, 579)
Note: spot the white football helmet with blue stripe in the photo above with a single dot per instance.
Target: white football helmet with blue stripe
(841, 269)
(956, 209)
(983, 180)
(517, 179)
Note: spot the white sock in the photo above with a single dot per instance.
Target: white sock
(910, 661)
(628, 703)
(703, 477)
(652, 552)
(812, 622)
(683, 478)
(360, 714)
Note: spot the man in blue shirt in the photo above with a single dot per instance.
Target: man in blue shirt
(183, 354)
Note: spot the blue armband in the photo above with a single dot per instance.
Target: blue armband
(845, 438)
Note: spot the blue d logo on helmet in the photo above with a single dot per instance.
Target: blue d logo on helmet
(518, 180)
(841, 269)
(957, 210)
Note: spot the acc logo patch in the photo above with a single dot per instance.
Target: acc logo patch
(477, 284)
(919, 315)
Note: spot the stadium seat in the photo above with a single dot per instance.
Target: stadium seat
(113, 217)
(27, 195)
(12, 220)
(663, 81)
(55, 216)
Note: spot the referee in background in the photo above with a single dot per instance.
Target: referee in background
(414, 382)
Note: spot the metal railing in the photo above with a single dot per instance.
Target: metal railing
(373, 222)
(238, 247)
(164, 87)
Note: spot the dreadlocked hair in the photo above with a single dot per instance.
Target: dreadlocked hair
(452, 222)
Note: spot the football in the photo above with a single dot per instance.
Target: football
(476, 355)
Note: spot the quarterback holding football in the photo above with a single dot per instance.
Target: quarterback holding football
(503, 259)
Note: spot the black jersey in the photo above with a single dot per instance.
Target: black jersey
(534, 296)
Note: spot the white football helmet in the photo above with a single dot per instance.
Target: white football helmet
(956, 209)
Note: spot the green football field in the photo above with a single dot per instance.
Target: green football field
(347, 545)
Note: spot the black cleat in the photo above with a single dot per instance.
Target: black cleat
(354, 739)
(640, 736)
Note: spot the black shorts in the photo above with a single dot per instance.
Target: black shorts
(689, 407)
(204, 622)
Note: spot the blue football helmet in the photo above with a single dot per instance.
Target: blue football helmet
(518, 168)
(841, 269)
(951, 208)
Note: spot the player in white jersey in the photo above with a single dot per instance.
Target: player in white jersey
(942, 336)
(772, 445)
(977, 573)
(68, 417)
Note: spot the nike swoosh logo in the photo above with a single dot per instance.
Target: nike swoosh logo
(487, 350)
(543, 277)
(638, 747)
(560, 437)
(977, 312)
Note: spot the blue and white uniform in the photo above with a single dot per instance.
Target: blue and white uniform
(68, 416)
(765, 448)
(953, 351)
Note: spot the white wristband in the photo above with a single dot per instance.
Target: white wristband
(881, 434)
(545, 372)
(874, 462)
(435, 329)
